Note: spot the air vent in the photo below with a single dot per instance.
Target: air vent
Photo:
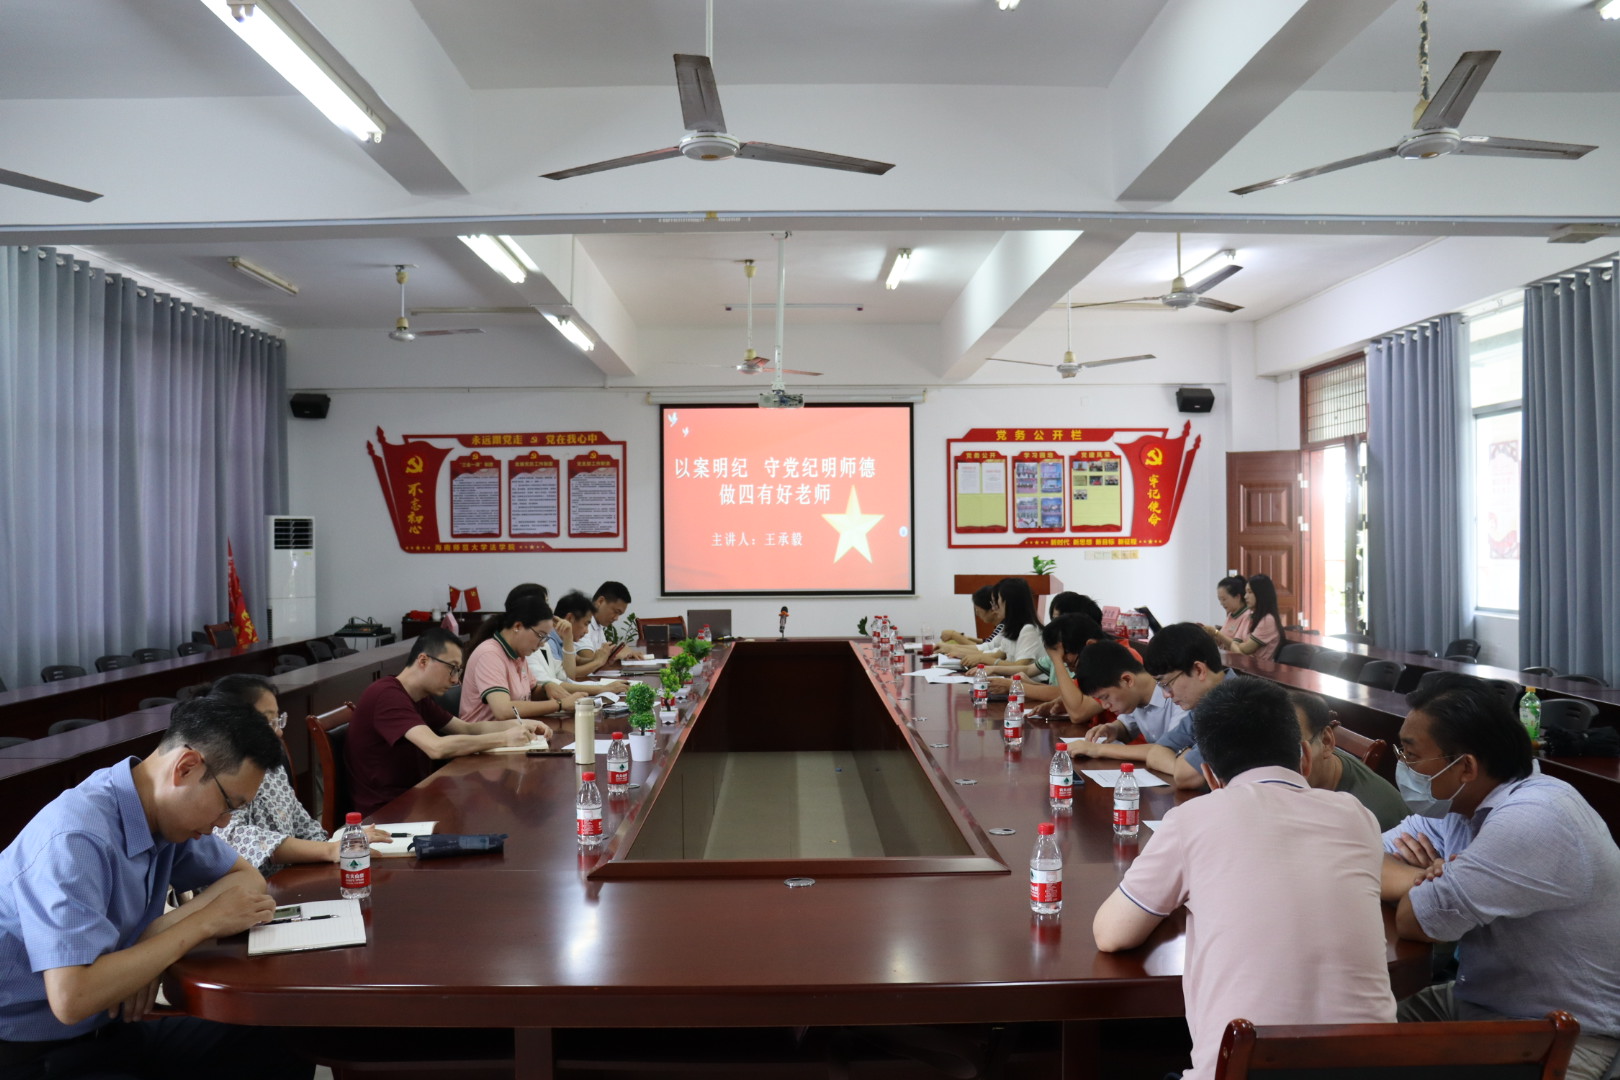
(294, 533)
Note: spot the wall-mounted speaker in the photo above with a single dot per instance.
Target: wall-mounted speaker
(310, 406)
(1195, 399)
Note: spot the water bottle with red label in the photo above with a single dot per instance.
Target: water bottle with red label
(1060, 779)
(1046, 872)
(1012, 726)
(618, 765)
(588, 812)
(1127, 802)
(354, 858)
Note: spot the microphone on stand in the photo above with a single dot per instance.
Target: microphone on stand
(782, 623)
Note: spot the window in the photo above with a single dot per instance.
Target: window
(1495, 391)
(1333, 441)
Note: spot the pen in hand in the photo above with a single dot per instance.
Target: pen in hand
(300, 918)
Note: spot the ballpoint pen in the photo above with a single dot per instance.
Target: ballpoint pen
(300, 918)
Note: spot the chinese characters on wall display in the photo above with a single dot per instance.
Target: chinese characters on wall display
(1070, 487)
(784, 481)
(506, 493)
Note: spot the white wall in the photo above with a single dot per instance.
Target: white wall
(362, 571)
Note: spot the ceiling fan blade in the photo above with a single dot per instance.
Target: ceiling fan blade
(1306, 174)
(614, 163)
(1031, 363)
(1217, 305)
(1446, 108)
(525, 310)
(1500, 146)
(700, 98)
(443, 333)
(1118, 360)
(1154, 300)
(45, 187)
(796, 371)
(1214, 279)
(792, 155)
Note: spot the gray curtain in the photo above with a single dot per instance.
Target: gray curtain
(1418, 593)
(1569, 574)
(137, 434)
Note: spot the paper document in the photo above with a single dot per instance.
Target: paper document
(1153, 824)
(537, 743)
(601, 746)
(400, 845)
(647, 664)
(1109, 777)
(320, 924)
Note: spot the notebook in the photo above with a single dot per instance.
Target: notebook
(313, 924)
(400, 845)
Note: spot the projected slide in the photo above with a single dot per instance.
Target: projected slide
(779, 501)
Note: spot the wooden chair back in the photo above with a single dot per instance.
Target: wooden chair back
(1374, 753)
(1488, 1049)
(328, 731)
(676, 631)
(220, 635)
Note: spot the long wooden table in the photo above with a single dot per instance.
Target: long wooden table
(542, 936)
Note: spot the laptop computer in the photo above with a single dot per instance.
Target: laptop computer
(718, 620)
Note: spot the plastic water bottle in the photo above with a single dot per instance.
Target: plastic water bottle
(981, 688)
(1015, 694)
(618, 765)
(588, 812)
(1061, 778)
(1046, 872)
(897, 651)
(1012, 726)
(1530, 713)
(1127, 802)
(354, 858)
(706, 634)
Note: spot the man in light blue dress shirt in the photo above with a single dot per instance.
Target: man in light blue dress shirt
(83, 934)
(1512, 865)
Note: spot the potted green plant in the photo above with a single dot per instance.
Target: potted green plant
(682, 665)
(641, 699)
(670, 679)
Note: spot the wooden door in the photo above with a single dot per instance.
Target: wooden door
(1262, 522)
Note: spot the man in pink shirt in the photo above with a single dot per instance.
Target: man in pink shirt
(1280, 882)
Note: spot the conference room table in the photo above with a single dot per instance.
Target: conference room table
(544, 936)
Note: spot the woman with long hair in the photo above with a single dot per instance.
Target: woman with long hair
(497, 684)
(1229, 593)
(274, 829)
(1264, 634)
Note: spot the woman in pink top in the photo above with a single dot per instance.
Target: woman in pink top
(497, 683)
(1263, 634)
(1231, 593)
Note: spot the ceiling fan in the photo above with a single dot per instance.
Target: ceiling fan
(1180, 294)
(45, 187)
(753, 364)
(1435, 122)
(1068, 369)
(402, 327)
(706, 138)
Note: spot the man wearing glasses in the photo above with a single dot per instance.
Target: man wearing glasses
(400, 733)
(1186, 665)
(83, 934)
(1514, 866)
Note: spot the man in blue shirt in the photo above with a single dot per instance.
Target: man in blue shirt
(83, 936)
(1514, 866)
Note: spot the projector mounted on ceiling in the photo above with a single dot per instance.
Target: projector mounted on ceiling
(780, 399)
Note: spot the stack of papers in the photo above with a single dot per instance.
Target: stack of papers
(645, 665)
(1109, 777)
(313, 924)
(939, 675)
(400, 845)
(537, 743)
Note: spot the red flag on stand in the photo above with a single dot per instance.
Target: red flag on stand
(241, 621)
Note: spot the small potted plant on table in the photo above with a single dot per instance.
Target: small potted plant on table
(640, 698)
(670, 679)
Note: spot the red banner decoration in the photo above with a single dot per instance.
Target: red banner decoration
(241, 621)
(457, 510)
(1157, 467)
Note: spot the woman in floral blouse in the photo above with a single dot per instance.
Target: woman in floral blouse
(274, 829)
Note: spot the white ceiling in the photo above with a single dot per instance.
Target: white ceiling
(995, 120)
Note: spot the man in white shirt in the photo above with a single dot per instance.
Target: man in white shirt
(1108, 672)
(1280, 882)
(609, 605)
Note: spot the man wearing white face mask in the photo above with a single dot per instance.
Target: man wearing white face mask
(1514, 866)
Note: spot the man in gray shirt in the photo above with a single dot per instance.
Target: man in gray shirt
(1332, 769)
(1514, 866)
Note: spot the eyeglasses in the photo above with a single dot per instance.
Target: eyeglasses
(230, 807)
(1402, 754)
(1166, 682)
(455, 669)
(278, 722)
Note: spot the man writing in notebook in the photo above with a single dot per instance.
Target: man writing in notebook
(83, 934)
(399, 733)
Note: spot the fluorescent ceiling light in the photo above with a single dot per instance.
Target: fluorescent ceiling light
(1212, 265)
(1006, 5)
(283, 50)
(565, 326)
(263, 276)
(502, 255)
(1609, 9)
(898, 269)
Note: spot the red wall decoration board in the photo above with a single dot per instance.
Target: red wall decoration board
(1132, 480)
(458, 510)
(979, 487)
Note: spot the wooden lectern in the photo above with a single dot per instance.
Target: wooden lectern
(1042, 585)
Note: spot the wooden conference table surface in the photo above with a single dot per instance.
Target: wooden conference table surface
(526, 940)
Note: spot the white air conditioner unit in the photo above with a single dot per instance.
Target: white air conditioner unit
(291, 588)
